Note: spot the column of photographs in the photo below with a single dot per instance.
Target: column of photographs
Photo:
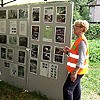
(47, 69)
(34, 58)
(14, 39)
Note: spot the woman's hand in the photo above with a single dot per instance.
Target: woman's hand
(66, 49)
(73, 76)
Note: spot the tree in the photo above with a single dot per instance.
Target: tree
(81, 9)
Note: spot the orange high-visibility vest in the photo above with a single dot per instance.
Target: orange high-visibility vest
(74, 56)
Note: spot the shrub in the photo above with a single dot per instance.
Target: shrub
(93, 32)
(94, 50)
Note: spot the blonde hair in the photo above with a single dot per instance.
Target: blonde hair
(82, 23)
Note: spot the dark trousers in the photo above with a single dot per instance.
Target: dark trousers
(72, 90)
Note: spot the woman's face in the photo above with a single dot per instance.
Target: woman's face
(77, 30)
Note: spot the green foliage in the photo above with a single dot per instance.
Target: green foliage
(94, 50)
(81, 9)
(93, 32)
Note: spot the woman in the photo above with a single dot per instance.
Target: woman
(77, 64)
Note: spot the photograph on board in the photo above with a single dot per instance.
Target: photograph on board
(44, 67)
(21, 71)
(2, 26)
(3, 39)
(14, 69)
(53, 71)
(2, 14)
(12, 40)
(23, 41)
(47, 33)
(34, 50)
(13, 27)
(12, 14)
(61, 14)
(58, 54)
(33, 66)
(10, 53)
(48, 14)
(46, 52)
(3, 52)
(23, 13)
(23, 28)
(35, 32)
(36, 14)
(21, 57)
(60, 34)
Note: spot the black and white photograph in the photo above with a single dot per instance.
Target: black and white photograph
(61, 14)
(3, 53)
(35, 32)
(58, 58)
(36, 14)
(21, 57)
(2, 14)
(21, 71)
(34, 50)
(61, 18)
(12, 14)
(12, 40)
(46, 52)
(60, 34)
(23, 41)
(58, 55)
(59, 50)
(10, 53)
(6, 64)
(23, 13)
(33, 66)
(3, 39)
(48, 14)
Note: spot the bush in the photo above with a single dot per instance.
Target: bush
(94, 50)
(93, 32)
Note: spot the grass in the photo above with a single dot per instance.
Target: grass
(9, 92)
(91, 83)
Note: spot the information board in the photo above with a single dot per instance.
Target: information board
(32, 38)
